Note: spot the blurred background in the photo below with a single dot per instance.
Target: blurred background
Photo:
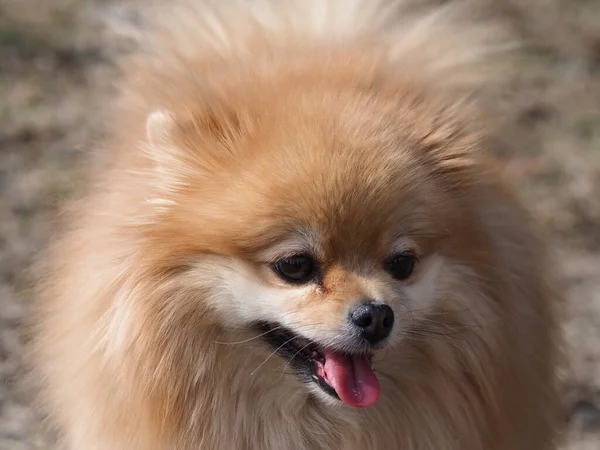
(56, 70)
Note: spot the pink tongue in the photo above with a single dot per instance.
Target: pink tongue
(352, 378)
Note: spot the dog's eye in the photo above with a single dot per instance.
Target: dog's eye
(401, 266)
(297, 269)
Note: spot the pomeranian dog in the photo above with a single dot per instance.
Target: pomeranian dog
(295, 240)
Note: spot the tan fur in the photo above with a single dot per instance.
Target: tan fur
(249, 129)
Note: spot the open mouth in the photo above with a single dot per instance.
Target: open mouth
(348, 377)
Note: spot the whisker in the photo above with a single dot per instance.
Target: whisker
(427, 336)
(295, 354)
(249, 339)
(412, 316)
(299, 326)
(272, 353)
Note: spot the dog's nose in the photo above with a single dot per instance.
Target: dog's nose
(374, 320)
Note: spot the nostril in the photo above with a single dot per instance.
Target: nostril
(362, 316)
(388, 317)
(364, 321)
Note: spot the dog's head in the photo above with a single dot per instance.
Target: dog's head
(323, 218)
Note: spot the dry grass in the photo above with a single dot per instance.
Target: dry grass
(55, 70)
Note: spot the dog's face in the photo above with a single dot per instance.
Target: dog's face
(327, 308)
(325, 226)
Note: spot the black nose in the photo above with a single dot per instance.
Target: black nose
(375, 321)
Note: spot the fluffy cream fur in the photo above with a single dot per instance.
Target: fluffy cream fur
(248, 130)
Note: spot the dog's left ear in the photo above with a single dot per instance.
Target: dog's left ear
(451, 68)
(457, 48)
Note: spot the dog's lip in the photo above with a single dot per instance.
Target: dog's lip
(294, 348)
(307, 357)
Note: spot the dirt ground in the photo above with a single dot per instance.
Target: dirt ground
(56, 71)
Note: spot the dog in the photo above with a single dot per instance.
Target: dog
(296, 238)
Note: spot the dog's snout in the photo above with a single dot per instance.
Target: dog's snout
(375, 321)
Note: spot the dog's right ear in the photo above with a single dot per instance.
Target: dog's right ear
(158, 125)
(185, 144)
(164, 153)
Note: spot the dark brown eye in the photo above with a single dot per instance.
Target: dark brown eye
(401, 266)
(299, 269)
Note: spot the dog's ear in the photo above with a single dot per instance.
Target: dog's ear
(166, 156)
(159, 125)
(184, 144)
(451, 69)
(458, 48)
